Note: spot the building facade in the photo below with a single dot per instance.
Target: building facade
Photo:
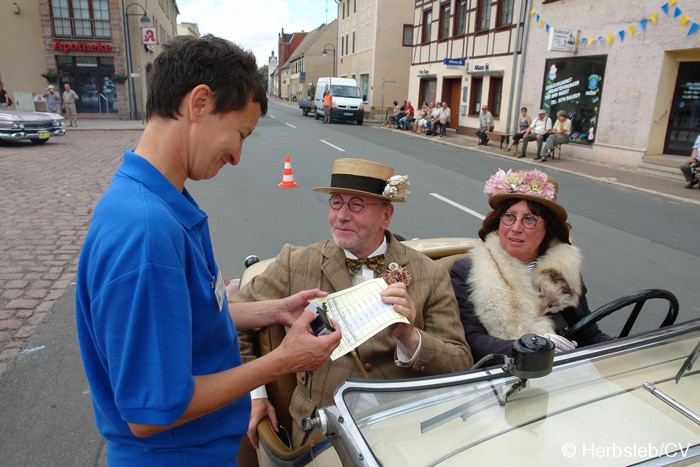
(466, 53)
(630, 81)
(84, 43)
(374, 48)
(309, 61)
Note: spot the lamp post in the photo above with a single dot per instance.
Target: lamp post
(130, 67)
(324, 53)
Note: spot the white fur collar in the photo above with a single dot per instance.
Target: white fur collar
(511, 301)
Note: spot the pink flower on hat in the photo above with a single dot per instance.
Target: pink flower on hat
(530, 182)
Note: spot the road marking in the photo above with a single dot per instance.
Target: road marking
(24, 352)
(289, 124)
(333, 146)
(272, 116)
(458, 206)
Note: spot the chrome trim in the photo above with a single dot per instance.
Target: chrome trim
(14, 136)
(671, 402)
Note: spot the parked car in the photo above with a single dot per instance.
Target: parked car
(37, 127)
(307, 106)
(631, 400)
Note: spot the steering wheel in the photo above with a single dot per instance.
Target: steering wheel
(638, 299)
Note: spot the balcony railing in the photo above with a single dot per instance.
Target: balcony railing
(78, 28)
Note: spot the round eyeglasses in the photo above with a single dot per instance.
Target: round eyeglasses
(528, 220)
(355, 204)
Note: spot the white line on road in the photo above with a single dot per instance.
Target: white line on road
(289, 124)
(458, 206)
(333, 146)
(272, 116)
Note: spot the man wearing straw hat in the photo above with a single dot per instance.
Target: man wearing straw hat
(361, 200)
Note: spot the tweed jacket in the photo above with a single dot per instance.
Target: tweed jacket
(500, 300)
(322, 265)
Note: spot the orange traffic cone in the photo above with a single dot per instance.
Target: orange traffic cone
(287, 177)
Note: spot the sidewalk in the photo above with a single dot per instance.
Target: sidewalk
(654, 184)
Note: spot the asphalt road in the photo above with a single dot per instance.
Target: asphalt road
(631, 240)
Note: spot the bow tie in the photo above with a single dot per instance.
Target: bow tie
(375, 263)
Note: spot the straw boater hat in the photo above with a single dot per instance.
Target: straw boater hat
(367, 178)
(531, 185)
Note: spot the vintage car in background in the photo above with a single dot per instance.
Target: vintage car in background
(632, 400)
(37, 127)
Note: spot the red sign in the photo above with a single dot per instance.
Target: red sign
(82, 46)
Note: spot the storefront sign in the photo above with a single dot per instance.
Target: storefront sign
(82, 46)
(484, 67)
(423, 72)
(148, 36)
(562, 40)
(454, 61)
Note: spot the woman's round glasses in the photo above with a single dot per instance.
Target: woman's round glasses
(528, 220)
(355, 204)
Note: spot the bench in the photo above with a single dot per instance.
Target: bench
(505, 137)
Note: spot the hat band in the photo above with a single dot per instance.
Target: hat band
(358, 182)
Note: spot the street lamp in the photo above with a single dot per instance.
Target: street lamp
(324, 53)
(144, 20)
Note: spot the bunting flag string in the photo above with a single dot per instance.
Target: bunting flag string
(623, 34)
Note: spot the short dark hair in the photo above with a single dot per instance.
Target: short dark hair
(187, 62)
(555, 228)
(523, 108)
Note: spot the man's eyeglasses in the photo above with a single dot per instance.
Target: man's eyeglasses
(355, 204)
(528, 220)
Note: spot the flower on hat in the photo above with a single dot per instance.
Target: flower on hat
(526, 182)
(397, 187)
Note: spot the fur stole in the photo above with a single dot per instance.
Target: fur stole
(511, 301)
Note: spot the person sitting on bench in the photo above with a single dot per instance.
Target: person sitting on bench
(525, 122)
(486, 124)
(539, 129)
(557, 136)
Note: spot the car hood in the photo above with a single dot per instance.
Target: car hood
(28, 116)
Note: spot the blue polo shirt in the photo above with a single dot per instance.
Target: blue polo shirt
(148, 322)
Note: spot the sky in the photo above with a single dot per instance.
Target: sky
(255, 24)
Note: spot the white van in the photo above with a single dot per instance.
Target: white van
(347, 103)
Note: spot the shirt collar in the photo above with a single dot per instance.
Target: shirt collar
(182, 204)
(379, 251)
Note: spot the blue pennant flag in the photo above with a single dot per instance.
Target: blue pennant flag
(546, 27)
(621, 33)
(584, 41)
(664, 8)
(600, 38)
(693, 28)
(537, 17)
(677, 12)
(643, 24)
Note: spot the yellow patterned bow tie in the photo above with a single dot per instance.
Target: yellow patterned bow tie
(375, 263)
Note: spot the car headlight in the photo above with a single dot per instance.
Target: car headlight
(57, 123)
(17, 125)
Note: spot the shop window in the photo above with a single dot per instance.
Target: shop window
(505, 13)
(444, 21)
(427, 25)
(475, 96)
(460, 26)
(575, 85)
(483, 15)
(407, 35)
(81, 18)
(495, 96)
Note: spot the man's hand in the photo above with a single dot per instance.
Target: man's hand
(260, 409)
(293, 306)
(397, 295)
(301, 350)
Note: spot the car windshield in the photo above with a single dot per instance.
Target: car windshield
(345, 91)
(594, 408)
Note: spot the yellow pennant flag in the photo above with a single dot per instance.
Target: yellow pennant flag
(591, 41)
(610, 39)
(653, 16)
(542, 22)
(671, 2)
(684, 19)
(631, 30)
(532, 12)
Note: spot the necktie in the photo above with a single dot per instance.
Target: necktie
(375, 263)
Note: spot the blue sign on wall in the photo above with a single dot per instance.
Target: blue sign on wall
(454, 61)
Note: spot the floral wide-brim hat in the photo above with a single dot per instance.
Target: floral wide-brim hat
(531, 185)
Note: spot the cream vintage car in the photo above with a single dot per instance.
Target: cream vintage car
(630, 401)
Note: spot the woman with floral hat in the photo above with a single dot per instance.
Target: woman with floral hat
(526, 276)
